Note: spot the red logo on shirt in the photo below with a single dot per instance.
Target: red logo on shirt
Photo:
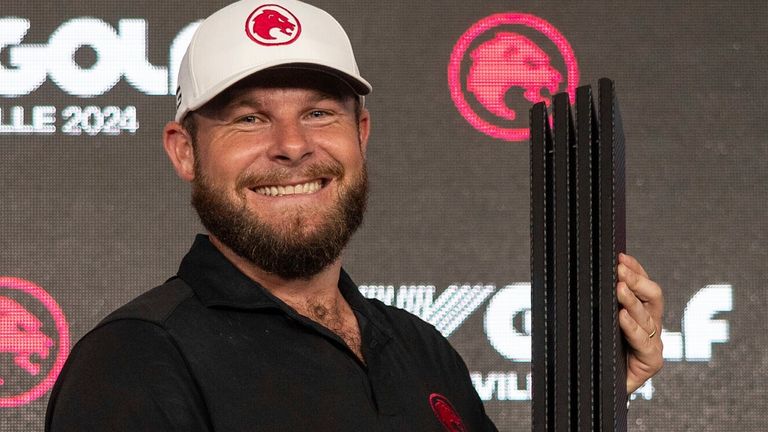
(272, 25)
(445, 412)
(34, 341)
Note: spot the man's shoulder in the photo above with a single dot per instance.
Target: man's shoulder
(129, 372)
(130, 334)
(155, 305)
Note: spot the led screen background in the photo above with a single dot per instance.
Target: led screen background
(94, 220)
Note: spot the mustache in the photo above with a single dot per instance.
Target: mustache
(249, 179)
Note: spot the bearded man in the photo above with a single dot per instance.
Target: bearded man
(261, 329)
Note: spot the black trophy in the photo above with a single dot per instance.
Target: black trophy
(577, 232)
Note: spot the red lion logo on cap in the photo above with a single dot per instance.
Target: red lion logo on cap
(272, 24)
(20, 335)
(510, 60)
(270, 19)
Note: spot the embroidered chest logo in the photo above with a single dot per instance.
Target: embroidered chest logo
(446, 414)
(272, 25)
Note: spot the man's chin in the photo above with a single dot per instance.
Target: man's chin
(295, 259)
(295, 225)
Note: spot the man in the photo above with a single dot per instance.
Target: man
(261, 329)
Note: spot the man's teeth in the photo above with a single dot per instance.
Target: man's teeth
(304, 188)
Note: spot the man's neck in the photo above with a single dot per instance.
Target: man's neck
(317, 298)
(322, 287)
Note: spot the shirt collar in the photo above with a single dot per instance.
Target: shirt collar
(218, 283)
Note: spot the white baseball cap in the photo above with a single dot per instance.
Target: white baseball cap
(252, 35)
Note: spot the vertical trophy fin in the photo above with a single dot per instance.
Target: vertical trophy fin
(561, 321)
(586, 238)
(613, 393)
(541, 195)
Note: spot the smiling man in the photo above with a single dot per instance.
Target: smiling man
(261, 329)
(277, 164)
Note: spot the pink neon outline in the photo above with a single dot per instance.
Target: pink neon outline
(62, 328)
(289, 41)
(480, 27)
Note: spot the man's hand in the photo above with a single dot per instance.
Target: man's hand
(640, 320)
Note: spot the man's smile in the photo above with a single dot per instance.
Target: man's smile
(303, 188)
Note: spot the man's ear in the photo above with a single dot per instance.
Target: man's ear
(178, 146)
(364, 129)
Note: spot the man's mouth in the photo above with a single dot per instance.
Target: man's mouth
(297, 189)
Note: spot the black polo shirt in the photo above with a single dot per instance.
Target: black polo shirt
(213, 350)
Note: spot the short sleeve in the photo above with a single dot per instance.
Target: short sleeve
(467, 388)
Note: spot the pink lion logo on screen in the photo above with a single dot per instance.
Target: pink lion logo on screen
(20, 336)
(272, 25)
(488, 60)
(37, 354)
(510, 60)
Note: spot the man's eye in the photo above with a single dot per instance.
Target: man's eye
(316, 114)
(248, 119)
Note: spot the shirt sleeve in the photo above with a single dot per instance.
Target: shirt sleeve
(127, 375)
(465, 382)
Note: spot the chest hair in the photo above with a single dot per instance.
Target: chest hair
(340, 320)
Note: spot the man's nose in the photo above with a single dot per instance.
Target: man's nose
(291, 144)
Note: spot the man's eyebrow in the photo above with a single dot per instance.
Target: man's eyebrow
(246, 102)
(320, 96)
(256, 103)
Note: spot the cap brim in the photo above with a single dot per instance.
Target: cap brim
(358, 85)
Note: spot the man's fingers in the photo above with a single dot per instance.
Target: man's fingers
(645, 357)
(645, 289)
(635, 308)
(640, 320)
(645, 347)
(633, 264)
